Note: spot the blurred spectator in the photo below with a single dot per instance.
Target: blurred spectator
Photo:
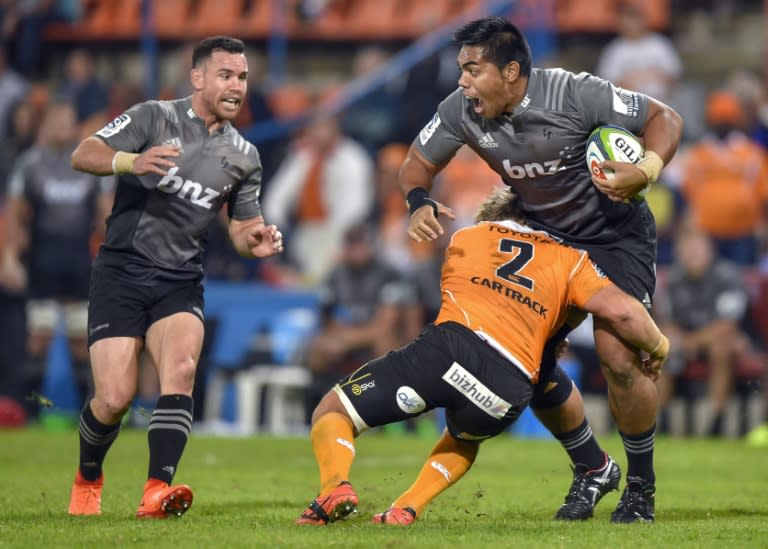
(666, 204)
(13, 318)
(638, 58)
(390, 212)
(724, 181)
(23, 23)
(57, 208)
(21, 136)
(81, 85)
(323, 186)
(257, 109)
(701, 310)
(421, 262)
(427, 84)
(123, 94)
(749, 88)
(13, 88)
(175, 73)
(366, 306)
(372, 120)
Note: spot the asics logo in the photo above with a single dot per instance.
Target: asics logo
(344, 442)
(187, 189)
(440, 468)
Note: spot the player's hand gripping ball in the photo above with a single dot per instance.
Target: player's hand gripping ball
(613, 143)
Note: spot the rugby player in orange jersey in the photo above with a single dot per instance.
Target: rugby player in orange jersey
(506, 289)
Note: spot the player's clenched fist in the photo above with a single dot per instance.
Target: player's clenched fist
(424, 224)
(264, 241)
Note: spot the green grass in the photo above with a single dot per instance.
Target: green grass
(248, 491)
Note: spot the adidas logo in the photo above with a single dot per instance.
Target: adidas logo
(487, 142)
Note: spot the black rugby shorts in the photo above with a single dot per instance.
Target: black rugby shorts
(631, 262)
(449, 367)
(118, 308)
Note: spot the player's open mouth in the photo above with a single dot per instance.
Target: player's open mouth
(478, 104)
(233, 101)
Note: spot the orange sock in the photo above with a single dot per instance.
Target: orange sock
(450, 459)
(333, 442)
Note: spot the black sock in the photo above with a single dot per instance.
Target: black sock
(32, 384)
(639, 450)
(582, 446)
(168, 430)
(95, 440)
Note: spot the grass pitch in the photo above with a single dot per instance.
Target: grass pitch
(710, 493)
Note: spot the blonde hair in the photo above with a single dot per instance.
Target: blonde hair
(501, 205)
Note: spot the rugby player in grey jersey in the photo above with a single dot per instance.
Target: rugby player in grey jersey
(179, 162)
(531, 126)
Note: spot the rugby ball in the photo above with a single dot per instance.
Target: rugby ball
(613, 143)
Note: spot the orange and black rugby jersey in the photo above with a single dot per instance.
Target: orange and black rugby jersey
(512, 286)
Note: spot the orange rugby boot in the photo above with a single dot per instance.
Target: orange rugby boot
(86, 496)
(337, 505)
(161, 500)
(399, 516)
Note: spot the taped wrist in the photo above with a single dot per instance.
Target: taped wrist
(123, 162)
(662, 344)
(651, 165)
(418, 197)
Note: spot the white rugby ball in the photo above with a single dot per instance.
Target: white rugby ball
(613, 143)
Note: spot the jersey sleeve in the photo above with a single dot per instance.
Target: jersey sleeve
(244, 201)
(602, 103)
(133, 130)
(586, 280)
(439, 140)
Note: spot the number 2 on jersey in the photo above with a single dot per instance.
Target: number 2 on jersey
(523, 254)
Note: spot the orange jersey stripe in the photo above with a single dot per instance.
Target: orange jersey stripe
(512, 286)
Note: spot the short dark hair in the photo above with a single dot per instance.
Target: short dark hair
(206, 47)
(503, 42)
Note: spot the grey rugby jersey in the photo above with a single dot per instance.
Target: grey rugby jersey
(539, 150)
(158, 226)
(63, 202)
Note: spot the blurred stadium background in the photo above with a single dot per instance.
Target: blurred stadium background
(371, 73)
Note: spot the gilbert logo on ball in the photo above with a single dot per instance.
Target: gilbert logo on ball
(612, 143)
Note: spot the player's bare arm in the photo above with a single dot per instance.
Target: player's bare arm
(96, 157)
(417, 173)
(632, 322)
(13, 275)
(661, 134)
(252, 238)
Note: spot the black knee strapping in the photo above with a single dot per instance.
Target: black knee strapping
(552, 391)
